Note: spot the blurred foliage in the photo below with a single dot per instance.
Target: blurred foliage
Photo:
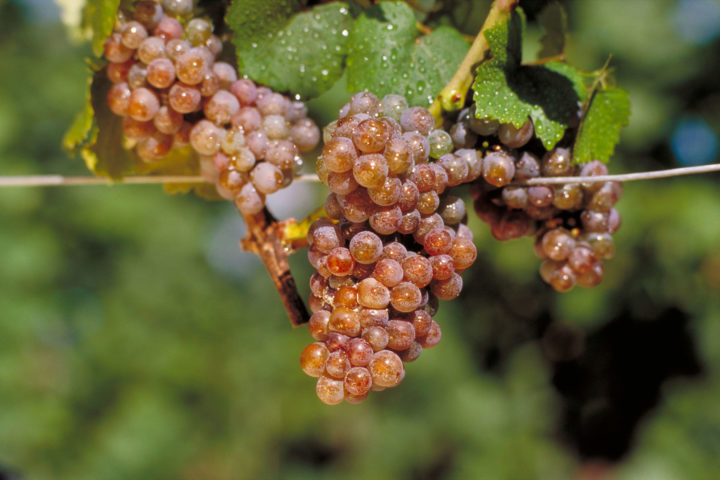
(125, 354)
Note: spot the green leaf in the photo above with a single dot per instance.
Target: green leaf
(509, 92)
(386, 54)
(553, 21)
(599, 132)
(253, 20)
(302, 54)
(99, 16)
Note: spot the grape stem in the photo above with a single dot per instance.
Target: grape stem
(264, 238)
(452, 97)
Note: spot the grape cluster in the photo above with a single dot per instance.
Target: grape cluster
(393, 245)
(172, 91)
(572, 222)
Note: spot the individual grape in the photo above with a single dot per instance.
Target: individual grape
(515, 197)
(528, 166)
(243, 160)
(205, 137)
(601, 243)
(401, 334)
(148, 13)
(456, 168)
(386, 369)
(462, 136)
(346, 296)
(605, 197)
(143, 104)
(118, 72)
(345, 321)
(385, 220)
(249, 201)
(440, 182)
(409, 222)
(276, 127)
(115, 50)
(332, 207)
(373, 294)
(568, 196)
(417, 119)
(360, 352)
(540, 196)
(447, 289)
(423, 176)
(161, 73)
(119, 98)
(398, 155)
(393, 106)
(312, 359)
(376, 336)
(137, 76)
(266, 177)
(388, 271)
(358, 381)
(366, 247)
(371, 135)
(191, 66)
(405, 297)
(184, 98)
(557, 163)
(226, 73)
(433, 336)
(336, 341)
(428, 202)
(178, 7)
(364, 102)
(340, 261)
(305, 134)
(437, 242)
(324, 236)
(482, 126)
(592, 277)
(339, 154)
(426, 224)
(440, 143)
(175, 48)
(614, 221)
(198, 31)
(582, 259)
(417, 270)
(419, 146)
(182, 136)
(395, 251)
(370, 170)
(221, 107)
(155, 147)
(329, 390)
(318, 324)
(341, 183)
(498, 168)
(442, 266)
(409, 196)
(515, 137)
(257, 142)
(167, 28)
(558, 244)
(133, 34)
(452, 210)
(388, 193)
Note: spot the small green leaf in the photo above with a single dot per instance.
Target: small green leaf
(553, 20)
(599, 132)
(304, 56)
(386, 54)
(99, 16)
(509, 92)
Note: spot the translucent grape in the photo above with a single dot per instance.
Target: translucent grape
(143, 104)
(221, 107)
(329, 390)
(191, 66)
(441, 143)
(373, 294)
(370, 170)
(312, 359)
(386, 369)
(405, 297)
(184, 98)
(417, 119)
(345, 321)
(133, 34)
(366, 247)
(498, 168)
(515, 137)
(198, 31)
(119, 98)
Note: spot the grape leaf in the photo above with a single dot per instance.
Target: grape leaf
(305, 56)
(386, 54)
(253, 20)
(510, 92)
(608, 110)
(553, 20)
(99, 17)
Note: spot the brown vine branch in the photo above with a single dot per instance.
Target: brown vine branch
(264, 238)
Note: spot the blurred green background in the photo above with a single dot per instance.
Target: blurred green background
(138, 342)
